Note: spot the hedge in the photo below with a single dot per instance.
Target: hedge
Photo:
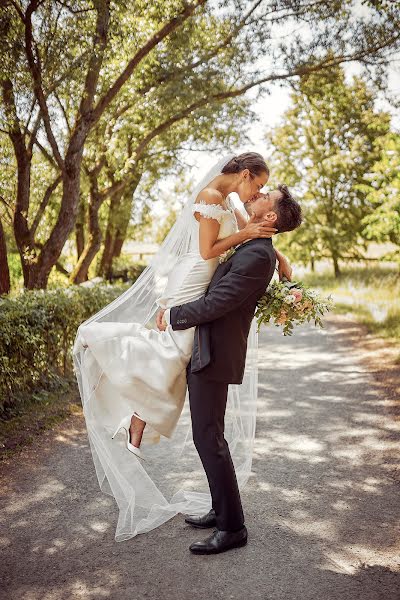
(37, 332)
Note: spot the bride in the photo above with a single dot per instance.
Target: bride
(132, 377)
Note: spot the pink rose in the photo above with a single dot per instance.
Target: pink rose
(298, 294)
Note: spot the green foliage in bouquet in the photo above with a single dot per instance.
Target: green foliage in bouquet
(288, 304)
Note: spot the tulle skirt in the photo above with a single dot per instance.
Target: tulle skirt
(141, 370)
(127, 368)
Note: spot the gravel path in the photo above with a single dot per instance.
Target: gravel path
(321, 506)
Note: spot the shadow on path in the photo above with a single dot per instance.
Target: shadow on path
(321, 505)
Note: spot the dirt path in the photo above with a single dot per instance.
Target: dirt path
(321, 507)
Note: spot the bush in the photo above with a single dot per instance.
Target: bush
(123, 268)
(38, 329)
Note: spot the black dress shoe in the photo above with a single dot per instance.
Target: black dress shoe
(220, 541)
(208, 520)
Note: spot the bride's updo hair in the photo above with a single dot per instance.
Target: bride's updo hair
(252, 161)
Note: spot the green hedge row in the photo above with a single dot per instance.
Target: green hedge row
(37, 332)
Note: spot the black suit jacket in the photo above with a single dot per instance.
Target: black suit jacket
(224, 314)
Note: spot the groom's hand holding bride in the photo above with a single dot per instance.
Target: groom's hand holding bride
(160, 321)
(284, 268)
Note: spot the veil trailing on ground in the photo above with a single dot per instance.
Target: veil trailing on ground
(172, 480)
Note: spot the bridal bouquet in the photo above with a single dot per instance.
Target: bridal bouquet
(288, 304)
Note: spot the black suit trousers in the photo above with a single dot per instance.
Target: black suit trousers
(207, 401)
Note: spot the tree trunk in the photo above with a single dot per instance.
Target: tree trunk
(120, 234)
(80, 230)
(80, 272)
(79, 239)
(23, 156)
(336, 267)
(4, 270)
(105, 265)
(25, 244)
(117, 226)
(52, 249)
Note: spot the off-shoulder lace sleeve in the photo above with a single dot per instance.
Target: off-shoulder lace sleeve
(210, 211)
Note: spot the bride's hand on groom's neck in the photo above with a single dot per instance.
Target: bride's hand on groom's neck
(258, 228)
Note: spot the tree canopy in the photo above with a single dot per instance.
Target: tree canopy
(383, 192)
(326, 148)
(97, 95)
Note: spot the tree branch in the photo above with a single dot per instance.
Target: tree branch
(8, 209)
(33, 104)
(45, 152)
(300, 71)
(168, 28)
(17, 139)
(74, 11)
(35, 70)
(75, 63)
(32, 134)
(177, 73)
(59, 267)
(19, 10)
(64, 112)
(47, 195)
(96, 58)
(320, 66)
(11, 110)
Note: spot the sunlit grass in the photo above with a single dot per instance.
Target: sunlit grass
(372, 294)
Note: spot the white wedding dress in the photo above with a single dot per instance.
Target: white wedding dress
(148, 366)
(130, 366)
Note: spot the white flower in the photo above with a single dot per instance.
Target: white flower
(289, 299)
(227, 254)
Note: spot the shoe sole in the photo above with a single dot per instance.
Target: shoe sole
(238, 545)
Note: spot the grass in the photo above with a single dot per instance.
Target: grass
(44, 411)
(371, 295)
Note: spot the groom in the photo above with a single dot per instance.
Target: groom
(223, 318)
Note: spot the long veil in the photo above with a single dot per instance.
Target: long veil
(172, 480)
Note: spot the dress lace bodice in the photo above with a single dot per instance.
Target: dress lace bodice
(225, 216)
(191, 275)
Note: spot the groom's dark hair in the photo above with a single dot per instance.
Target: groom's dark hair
(288, 211)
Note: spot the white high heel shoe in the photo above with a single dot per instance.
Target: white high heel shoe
(125, 424)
